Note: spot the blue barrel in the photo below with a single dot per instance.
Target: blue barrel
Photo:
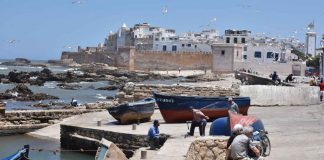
(220, 127)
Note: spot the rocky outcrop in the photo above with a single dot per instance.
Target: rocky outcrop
(69, 86)
(109, 88)
(208, 148)
(17, 62)
(22, 93)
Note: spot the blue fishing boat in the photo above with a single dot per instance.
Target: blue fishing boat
(21, 154)
(140, 111)
(176, 108)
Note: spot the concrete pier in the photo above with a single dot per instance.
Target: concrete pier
(85, 132)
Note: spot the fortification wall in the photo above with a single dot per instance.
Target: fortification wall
(155, 60)
(82, 57)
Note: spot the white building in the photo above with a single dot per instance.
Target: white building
(311, 40)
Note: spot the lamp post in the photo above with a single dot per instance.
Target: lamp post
(322, 58)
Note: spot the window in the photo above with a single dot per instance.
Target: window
(170, 38)
(183, 45)
(243, 40)
(269, 55)
(276, 56)
(223, 52)
(164, 47)
(228, 40)
(237, 53)
(195, 46)
(162, 38)
(174, 48)
(257, 54)
(245, 48)
(188, 45)
(235, 40)
(135, 36)
(244, 56)
(156, 39)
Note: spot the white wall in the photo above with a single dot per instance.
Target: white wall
(262, 95)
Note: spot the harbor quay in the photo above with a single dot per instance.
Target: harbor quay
(294, 131)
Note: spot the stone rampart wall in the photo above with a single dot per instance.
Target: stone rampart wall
(83, 57)
(155, 60)
(280, 95)
(208, 148)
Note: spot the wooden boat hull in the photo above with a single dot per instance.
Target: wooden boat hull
(140, 111)
(176, 109)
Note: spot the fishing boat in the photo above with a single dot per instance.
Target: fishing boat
(108, 150)
(140, 111)
(176, 108)
(21, 154)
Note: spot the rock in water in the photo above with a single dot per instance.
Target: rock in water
(110, 87)
(21, 89)
(129, 87)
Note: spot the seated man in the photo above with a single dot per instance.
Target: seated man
(199, 119)
(237, 130)
(154, 135)
(74, 102)
(289, 78)
(242, 144)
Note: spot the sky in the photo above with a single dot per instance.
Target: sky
(42, 29)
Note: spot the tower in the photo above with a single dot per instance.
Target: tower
(311, 40)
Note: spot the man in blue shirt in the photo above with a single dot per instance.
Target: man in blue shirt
(154, 135)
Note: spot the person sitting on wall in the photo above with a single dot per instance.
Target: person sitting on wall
(289, 78)
(275, 78)
(74, 102)
(154, 135)
(200, 120)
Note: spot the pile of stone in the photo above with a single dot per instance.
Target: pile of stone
(133, 92)
(208, 148)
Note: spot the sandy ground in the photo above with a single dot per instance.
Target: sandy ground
(295, 132)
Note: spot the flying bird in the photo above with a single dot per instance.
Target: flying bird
(164, 10)
(12, 41)
(77, 2)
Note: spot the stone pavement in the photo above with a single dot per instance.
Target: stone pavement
(295, 132)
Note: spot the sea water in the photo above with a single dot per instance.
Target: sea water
(11, 144)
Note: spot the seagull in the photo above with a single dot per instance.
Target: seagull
(164, 10)
(76, 2)
(12, 41)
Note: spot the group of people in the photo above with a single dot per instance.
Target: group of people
(240, 145)
(199, 120)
